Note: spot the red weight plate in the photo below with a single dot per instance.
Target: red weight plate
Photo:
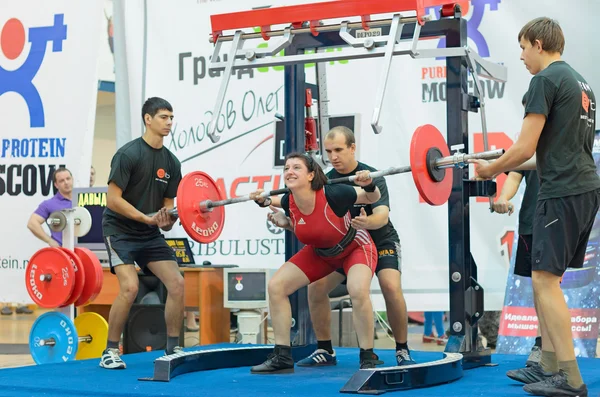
(79, 276)
(424, 138)
(203, 227)
(55, 263)
(91, 275)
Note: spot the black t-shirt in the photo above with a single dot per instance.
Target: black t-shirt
(340, 198)
(528, 204)
(387, 234)
(564, 152)
(147, 176)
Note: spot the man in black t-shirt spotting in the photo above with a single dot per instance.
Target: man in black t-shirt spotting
(340, 146)
(143, 179)
(559, 128)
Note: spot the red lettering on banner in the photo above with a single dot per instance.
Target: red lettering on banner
(496, 140)
(276, 182)
(261, 181)
(221, 185)
(523, 322)
(235, 183)
(508, 239)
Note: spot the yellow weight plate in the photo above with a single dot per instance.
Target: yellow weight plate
(94, 325)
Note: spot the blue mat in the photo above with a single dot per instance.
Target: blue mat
(86, 378)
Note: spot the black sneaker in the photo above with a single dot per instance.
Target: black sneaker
(369, 360)
(276, 363)
(556, 385)
(527, 375)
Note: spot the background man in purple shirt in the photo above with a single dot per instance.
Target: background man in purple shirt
(63, 181)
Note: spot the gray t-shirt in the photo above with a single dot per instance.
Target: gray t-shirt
(147, 176)
(565, 163)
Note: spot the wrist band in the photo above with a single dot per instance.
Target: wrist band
(369, 188)
(264, 204)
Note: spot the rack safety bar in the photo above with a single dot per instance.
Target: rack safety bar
(297, 15)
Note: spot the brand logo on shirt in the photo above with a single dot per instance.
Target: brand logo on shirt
(301, 222)
(585, 101)
(162, 175)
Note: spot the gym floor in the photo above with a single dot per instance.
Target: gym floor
(14, 339)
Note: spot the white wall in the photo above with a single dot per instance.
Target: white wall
(104, 136)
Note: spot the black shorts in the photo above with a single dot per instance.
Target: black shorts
(523, 259)
(389, 256)
(561, 229)
(124, 249)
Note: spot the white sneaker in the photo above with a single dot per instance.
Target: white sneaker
(112, 360)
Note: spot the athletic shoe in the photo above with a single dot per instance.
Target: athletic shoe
(556, 385)
(403, 358)
(527, 375)
(535, 356)
(369, 361)
(276, 363)
(319, 358)
(111, 359)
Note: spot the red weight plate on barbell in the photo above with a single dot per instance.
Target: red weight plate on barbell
(79, 276)
(424, 138)
(90, 263)
(55, 264)
(194, 188)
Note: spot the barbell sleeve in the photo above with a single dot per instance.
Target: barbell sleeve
(52, 341)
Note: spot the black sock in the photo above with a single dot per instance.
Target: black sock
(325, 345)
(112, 345)
(366, 354)
(172, 341)
(283, 350)
(400, 346)
(538, 341)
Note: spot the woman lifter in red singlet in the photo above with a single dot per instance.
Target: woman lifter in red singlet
(319, 216)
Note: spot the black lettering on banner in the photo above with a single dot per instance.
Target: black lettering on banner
(250, 107)
(199, 65)
(436, 91)
(182, 56)
(252, 247)
(253, 101)
(27, 179)
(199, 76)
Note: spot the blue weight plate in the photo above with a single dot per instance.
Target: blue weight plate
(56, 326)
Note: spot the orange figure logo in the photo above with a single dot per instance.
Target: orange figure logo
(160, 173)
(585, 101)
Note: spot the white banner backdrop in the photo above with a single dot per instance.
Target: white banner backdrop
(176, 68)
(48, 86)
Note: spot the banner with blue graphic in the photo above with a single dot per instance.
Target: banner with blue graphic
(519, 323)
(48, 88)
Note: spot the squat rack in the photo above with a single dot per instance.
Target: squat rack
(305, 30)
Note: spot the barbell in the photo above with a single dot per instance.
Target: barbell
(54, 338)
(57, 221)
(200, 202)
